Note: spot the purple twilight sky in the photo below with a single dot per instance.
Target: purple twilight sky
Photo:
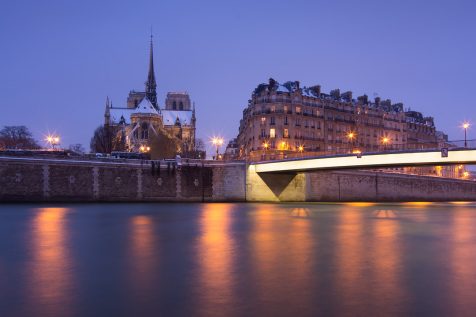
(60, 59)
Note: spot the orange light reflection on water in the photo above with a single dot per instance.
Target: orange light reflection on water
(142, 253)
(350, 251)
(462, 261)
(216, 249)
(282, 261)
(51, 265)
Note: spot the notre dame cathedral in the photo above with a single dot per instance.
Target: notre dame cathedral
(142, 120)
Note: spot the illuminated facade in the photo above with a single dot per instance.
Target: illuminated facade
(285, 118)
(142, 118)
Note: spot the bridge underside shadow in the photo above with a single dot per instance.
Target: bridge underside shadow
(275, 186)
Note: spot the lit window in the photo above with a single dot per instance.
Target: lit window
(272, 133)
(263, 120)
(298, 109)
(286, 133)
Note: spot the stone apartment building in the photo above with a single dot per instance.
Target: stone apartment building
(285, 119)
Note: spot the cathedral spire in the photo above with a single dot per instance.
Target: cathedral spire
(151, 85)
(107, 113)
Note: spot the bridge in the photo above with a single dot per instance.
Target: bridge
(289, 180)
(369, 160)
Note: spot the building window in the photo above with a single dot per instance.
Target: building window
(272, 133)
(174, 105)
(263, 133)
(285, 120)
(145, 131)
(298, 122)
(263, 120)
(181, 106)
(298, 109)
(273, 108)
(286, 133)
(272, 121)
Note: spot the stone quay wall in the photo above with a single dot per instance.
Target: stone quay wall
(385, 187)
(67, 180)
(355, 185)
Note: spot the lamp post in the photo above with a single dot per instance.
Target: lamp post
(351, 136)
(465, 127)
(53, 140)
(385, 141)
(301, 149)
(265, 146)
(217, 141)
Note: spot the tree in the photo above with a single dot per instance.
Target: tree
(17, 137)
(162, 146)
(77, 148)
(199, 145)
(101, 142)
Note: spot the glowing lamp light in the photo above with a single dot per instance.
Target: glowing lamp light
(385, 140)
(301, 148)
(466, 125)
(217, 141)
(265, 145)
(52, 140)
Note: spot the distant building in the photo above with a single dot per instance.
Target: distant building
(232, 150)
(142, 117)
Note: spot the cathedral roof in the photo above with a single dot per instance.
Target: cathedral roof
(170, 117)
(118, 113)
(145, 107)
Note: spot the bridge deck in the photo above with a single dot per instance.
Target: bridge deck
(371, 160)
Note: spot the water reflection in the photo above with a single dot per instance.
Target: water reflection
(239, 260)
(350, 258)
(216, 253)
(142, 255)
(51, 276)
(386, 272)
(282, 262)
(462, 263)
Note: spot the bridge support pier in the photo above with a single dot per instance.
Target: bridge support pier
(275, 186)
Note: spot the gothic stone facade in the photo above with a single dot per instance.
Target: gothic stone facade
(142, 116)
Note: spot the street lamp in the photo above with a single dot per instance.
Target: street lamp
(385, 141)
(144, 149)
(217, 141)
(465, 127)
(351, 136)
(265, 146)
(301, 149)
(52, 140)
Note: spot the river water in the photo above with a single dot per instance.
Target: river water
(356, 259)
